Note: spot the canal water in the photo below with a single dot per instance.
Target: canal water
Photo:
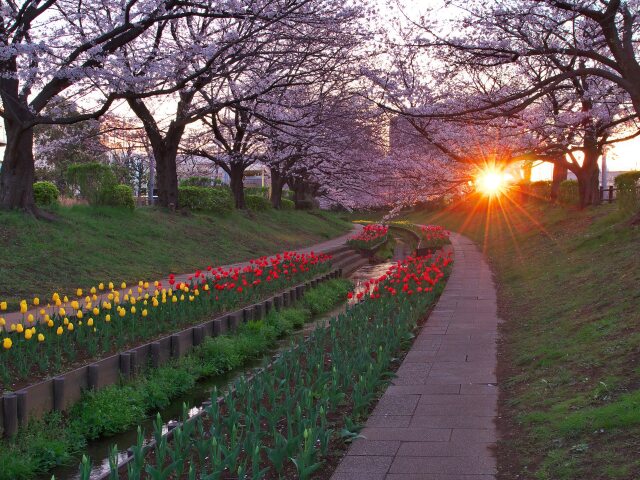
(97, 450)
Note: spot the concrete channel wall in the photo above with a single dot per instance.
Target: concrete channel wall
(61, 392)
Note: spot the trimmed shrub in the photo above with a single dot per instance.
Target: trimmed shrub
(259, 191)
(95, 181)
(257, 203)
(45, 193)
(569, 192)
(206, 199)
(540, 189)
(197, 182)
(287, 204)
(628, 190)
(121, 196)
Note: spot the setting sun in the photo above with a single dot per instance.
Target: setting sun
(492, 182)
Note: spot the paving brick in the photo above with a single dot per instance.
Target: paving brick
(365, 464)
(374, 447)
(444, 449)
(481, 465)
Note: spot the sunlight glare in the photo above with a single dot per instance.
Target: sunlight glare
(492, 182)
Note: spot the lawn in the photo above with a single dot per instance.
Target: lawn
(87, 245)
(569, 364)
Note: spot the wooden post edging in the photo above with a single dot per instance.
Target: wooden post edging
(61, 392)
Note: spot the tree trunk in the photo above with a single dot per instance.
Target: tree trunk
(559, 176)
(237, 187)
(18, 171)
(527, 171)
(277, 183)
(588, 181)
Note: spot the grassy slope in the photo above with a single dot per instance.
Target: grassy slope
(88, 245)
(569, 288)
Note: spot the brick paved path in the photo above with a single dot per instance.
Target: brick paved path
(436, 421)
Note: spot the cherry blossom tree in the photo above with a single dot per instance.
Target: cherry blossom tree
(53, 47)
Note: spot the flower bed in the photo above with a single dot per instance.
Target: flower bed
(68, 331)
(54, 439)
(433, 237)
(288, 419)
(370, 238)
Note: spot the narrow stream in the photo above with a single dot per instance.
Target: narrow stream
(97, 450)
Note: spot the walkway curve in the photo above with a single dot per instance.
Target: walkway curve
(322, 247)
(437, 419)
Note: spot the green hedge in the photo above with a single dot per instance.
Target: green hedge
(45, 194)
(287, 204)
(94, 180)
(628, 191)
(569, 192)
(205, 199)
(259, 191)
(257, 202)
(120, 196)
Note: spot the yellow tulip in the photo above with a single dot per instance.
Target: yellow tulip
(139, 290)
(174, 299)
(3, 322)
(80, 323)
(30, 318)
(80, 314)
(65, 299)
(164, 299)
(62, 312)
(182, 298)
(75, 305)
(191, 298)
(88, 305)
(28, 334)
(6, 343)
(65, 321)
(206, 287)
(126, 297)
(110, 296)
(94, 297)
(3, 306)
(146, 296)
(154, 302)
(59, 331)
(40, 337)
(13, 327)
(55, 297)
(133, 309)
(196, 292)
(87, 298)
(36, 301)
(93, 290)
(146, 285)
(96, 311)
(110, 285)
(123, 285)
(42, 311)
(90, 322)
(107, 318)
(70, 327)
(101, 286)
(123, 313)
(50, 323)
(133, 300)
(23, 306)
(46, 317)
(58, 303)
(79, 292)
(144, 312)
(19, 328)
